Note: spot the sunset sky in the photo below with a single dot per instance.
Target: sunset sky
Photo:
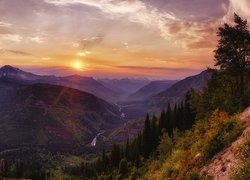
(159, 39)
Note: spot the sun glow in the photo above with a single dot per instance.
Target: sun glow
(78, 65)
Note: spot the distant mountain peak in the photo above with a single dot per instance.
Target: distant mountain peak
(15, 73)
(74, 75)
(79, 77)
(9, 69)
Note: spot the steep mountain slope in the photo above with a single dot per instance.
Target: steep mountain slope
(15, 73)
(42, 114)
(87, 84)
(221, 164)
(126, 85)
(151, 89)
(177, 92)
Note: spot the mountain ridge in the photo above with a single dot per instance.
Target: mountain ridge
(151, 89)
(49, 114)
(173, 95)
(176, 93)
(87, 84)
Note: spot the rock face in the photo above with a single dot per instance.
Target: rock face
(219, 167)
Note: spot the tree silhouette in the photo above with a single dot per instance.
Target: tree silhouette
(147, 137)
(127, 150)
(233, 51)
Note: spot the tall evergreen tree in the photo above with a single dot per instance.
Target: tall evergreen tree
(182, 118)
(233, 51)
(154, 133)
(189, 113)
(169, 124)
(127, 150)
(162, 121)
(115, 155)
(174, 118)
(99, 166)
(146, 137)
(104, 160)
(178, 120)
(139, 144)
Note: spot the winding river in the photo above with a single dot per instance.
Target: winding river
(122, 115)
(93, 143)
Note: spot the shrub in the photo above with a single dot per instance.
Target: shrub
(220, 134)
(242, 172)
(123, 166)
(165, 146)
(193, 176)
(134, 174)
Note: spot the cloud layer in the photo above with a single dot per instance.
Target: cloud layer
(172, 34)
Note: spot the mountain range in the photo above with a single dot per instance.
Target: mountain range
(46, 110)
(151, 89)
(43, 114)
(125, 86)
(174, 94)
(87, 84)
(111, 90)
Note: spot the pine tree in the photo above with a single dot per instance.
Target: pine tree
(127, 150)
(183, 125)
(162, 121)
(154, 133)
(139, 145)
(174, 118)
(104, 160)
(115, 155)
(146, 137)
(178, 117)
(99, 165)
(188, 112)
(169, 125)
(233, 51)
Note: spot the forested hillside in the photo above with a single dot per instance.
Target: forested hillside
(183, 139)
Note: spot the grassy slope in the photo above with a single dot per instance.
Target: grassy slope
(190, 150)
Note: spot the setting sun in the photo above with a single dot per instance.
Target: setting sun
(77, 65)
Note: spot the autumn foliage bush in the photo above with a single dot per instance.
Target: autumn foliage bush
(185, 152)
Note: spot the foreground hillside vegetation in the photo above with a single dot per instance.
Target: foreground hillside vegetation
(243, 171)
(179, 142)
